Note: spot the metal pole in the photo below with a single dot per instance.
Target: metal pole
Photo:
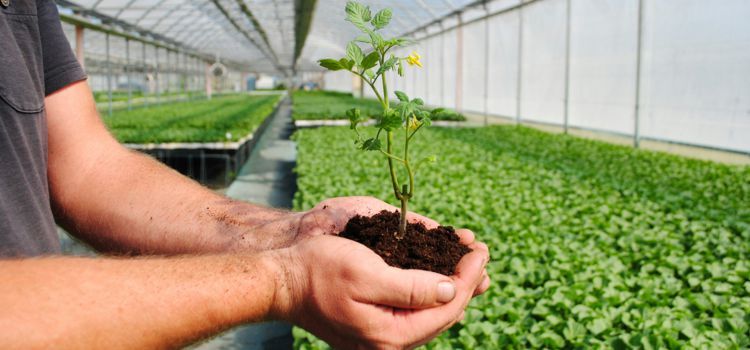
(459, 64)
(567, 67)
(636, 127)
(168, 71)
(80, 46)
(442, 67)
(157, 76)
(145, 71)
(127, 73)
(519, 74)
(486, 67)
(109, 77)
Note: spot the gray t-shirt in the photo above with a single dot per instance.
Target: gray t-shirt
(35, 60)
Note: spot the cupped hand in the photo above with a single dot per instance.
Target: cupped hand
(347, 295)
(330, 216)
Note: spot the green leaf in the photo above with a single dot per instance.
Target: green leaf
(330, 64)
(370, 74)
(371, 145)
(376, 40)
(364, 39)
(358, 14)
(390, 122)
(346, 63)
(354, 52)
(382, 19)
(418, 101)
(388, 65)
(400, 68)
(355, 117)
(402, 96)
(371, 60)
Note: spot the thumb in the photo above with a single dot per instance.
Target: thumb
(409, 289)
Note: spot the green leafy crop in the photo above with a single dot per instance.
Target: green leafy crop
(593, 245)
(407, 117)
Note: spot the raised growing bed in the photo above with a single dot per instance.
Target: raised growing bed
(593, 245)
(328, 108)
(207, 140)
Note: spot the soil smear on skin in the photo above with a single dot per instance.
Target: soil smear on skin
(437, 250)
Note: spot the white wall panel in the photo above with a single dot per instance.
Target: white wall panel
(338, 81)
(543, 62)
(696, 72)
(603, 44)
(503, 70)
(449, 69)
(433, 71)
(474, 73)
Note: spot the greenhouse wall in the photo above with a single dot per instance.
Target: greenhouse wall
(694, 67)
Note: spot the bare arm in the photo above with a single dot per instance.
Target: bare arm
(124, 202)
(74, 303)
(334, 287)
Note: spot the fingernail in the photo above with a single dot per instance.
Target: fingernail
(445, 292)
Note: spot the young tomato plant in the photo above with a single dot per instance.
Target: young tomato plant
(407, 116)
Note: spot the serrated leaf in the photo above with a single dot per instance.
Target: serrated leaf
(358, 14)
(371, 60)
(387, 65)
(376, 40)
(370, 74)
(382, 18)
(371, 145)
(390, 121)
(401, 96)
(354, 53)
(364, 39)
(330, 64)
(346, 63)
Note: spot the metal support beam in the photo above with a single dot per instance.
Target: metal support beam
(128, 73)
(639, 49)
(157, 76)
(566, 111)
(519, 73)
(109, 77)
(459, 64)
(145, 72)
(80, 48)
(486, 68)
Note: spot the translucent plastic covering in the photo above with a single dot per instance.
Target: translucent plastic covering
(693, 84)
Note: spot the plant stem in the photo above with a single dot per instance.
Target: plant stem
(402, 222)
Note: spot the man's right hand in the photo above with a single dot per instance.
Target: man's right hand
(345, 294)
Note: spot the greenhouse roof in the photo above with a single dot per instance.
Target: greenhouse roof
(263, 35)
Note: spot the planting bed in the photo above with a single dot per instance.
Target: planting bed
(593, 245)
(332, 106)
(207, 140)
(222, 119)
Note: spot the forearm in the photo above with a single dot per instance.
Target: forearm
(151, 209)
(124, 202)
(136, 303)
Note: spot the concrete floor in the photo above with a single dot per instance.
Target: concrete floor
(677, 149)
(267, 178)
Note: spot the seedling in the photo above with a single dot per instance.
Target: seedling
(407, 117)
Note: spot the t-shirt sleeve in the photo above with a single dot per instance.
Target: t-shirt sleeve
(61, 68)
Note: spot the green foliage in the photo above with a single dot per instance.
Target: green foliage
(325, 105)
(213, 120)
(593, 245)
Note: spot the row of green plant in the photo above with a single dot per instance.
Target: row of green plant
(593, 245)
(327, 105)
(221, 119)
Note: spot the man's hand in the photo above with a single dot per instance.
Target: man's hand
(345, 294)
(330, 216)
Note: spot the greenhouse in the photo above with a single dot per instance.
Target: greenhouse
(355, 174)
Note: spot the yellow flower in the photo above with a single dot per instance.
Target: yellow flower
(413, 59)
